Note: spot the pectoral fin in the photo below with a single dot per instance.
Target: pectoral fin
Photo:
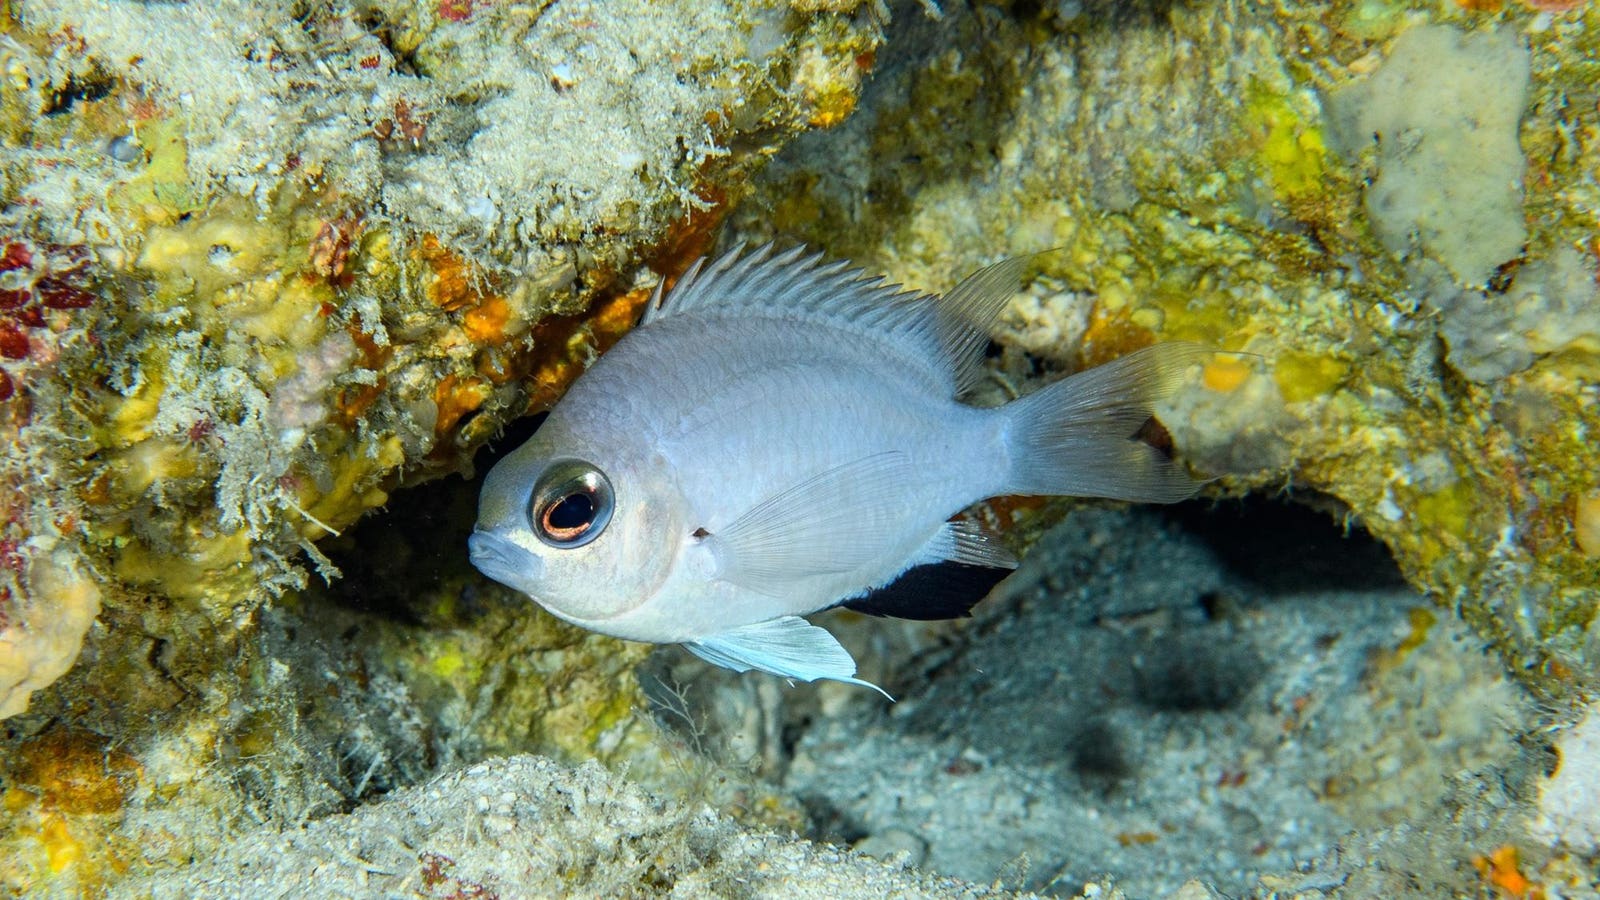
(834, 521)
(788, 646)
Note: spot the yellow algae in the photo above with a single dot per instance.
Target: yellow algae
(15, 800)
(1306, 376)
(1199, 313)
(1370, 20)
(1149, 318)
(832, 106)
(133, 415)
(1290, 151)
(446, 664)
(1446, 515)
(277, 309)
(376, 255)
(62, 601)
(1421, 620)
(1224, 374)
(62, 849)
(607, 713)
(225, 246)
(352, 491)
(1586, 523)
(136, 468)
(161, 192)
(211, 567)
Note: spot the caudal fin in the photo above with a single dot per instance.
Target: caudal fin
(1076, 437)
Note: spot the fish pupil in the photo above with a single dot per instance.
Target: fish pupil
(571, 513)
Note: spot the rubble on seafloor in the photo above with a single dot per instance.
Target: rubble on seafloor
(486, 832)
(1236, 695)
(263, 266)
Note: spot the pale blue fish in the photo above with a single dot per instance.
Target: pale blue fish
(781, 435)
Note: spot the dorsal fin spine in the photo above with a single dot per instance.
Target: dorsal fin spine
(947, 335)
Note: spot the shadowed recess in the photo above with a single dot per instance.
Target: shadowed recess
(1288, 547)
(431, 522)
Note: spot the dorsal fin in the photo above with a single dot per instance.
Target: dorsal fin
(947, 333)
(968, 312)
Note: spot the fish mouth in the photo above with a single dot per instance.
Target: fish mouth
(504, 561)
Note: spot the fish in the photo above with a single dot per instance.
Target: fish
(782, 434)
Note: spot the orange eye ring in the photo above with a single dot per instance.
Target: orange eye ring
(568, 518)
(571, 504)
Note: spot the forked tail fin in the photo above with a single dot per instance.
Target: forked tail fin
(1076, 437)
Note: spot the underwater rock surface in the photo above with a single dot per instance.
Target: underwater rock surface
(261, 268)
(1411, 258)
(1159, 697)
(264, 268)
(528, 827)
(262, 264)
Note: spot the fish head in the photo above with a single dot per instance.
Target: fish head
(588, 531)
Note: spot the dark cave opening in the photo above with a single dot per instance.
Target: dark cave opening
(1287, 545)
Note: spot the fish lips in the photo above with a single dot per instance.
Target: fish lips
(504, 561)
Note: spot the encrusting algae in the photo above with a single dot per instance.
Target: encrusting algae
(258, 270)
(1425, 348)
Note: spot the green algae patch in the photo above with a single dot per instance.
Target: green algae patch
(1370, 20)
(1447, 516)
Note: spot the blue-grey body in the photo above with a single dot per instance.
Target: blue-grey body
(780, 435)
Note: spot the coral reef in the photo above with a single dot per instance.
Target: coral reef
(525, 827)
(1421, 305)
(260, 265)
(278, 265)
(293, 257)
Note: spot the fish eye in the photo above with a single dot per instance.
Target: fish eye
(571, 504)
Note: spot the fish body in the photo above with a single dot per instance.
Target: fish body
(781, 435)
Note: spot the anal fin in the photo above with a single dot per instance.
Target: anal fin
(957, 568)
(941, 590)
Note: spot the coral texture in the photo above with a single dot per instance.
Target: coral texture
(260, 265)
(1420, 303)
(525, 827)
(263, 267)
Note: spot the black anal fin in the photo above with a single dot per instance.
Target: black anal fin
(941, 590)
